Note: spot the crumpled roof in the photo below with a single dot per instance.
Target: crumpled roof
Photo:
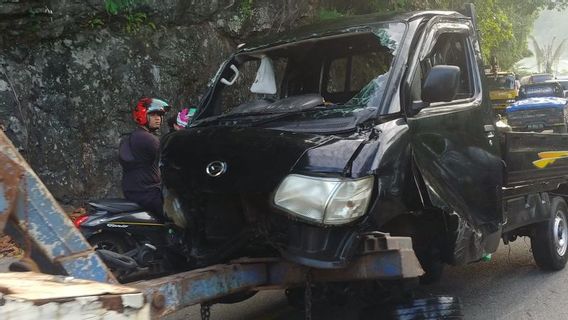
(338, 26)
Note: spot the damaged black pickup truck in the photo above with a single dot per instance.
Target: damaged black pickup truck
(309, 142)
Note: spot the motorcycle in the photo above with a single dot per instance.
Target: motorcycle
(138, 244)
(133, 242)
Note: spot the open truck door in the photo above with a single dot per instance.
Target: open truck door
(455, 149)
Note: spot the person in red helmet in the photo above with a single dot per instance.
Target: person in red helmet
(139, 156)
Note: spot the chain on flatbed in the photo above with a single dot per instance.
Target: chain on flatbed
(308, 296)
(205, 310)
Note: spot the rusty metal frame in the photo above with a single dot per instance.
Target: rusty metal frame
(384, 257)
(30, 213)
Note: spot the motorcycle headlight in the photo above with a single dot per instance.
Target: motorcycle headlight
(324, 200)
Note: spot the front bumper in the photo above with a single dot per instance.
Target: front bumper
(536, 126)
(321, 247)
(380, 256)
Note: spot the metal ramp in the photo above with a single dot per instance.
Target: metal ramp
(30, 214)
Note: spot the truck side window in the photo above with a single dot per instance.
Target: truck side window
(451, 49)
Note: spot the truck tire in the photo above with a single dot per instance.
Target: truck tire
(433, 266)
(549, 241)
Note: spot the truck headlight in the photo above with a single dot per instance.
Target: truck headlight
(324, 200)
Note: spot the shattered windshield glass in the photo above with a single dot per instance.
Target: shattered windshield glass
(346, 71)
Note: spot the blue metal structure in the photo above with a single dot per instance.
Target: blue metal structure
(32, 216)
(386, 258)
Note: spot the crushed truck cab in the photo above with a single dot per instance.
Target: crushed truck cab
(307, 142)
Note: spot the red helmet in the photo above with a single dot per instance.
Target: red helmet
(146, 106)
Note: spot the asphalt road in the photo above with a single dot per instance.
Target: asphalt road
(510, 286)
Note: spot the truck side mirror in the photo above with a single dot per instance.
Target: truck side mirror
(441, 84)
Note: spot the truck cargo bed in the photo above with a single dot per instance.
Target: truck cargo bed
(535, 159)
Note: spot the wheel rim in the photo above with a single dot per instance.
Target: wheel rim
(560, 234)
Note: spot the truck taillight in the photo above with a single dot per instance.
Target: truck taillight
(80, 220)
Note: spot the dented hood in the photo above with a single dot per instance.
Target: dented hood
(256, 159)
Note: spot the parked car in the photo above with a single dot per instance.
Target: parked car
(536, 78)
(563, 83)
(543, 89)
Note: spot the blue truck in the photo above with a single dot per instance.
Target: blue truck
(538, 114)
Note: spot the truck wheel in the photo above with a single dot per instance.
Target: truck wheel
(550, 238)
(433, 266)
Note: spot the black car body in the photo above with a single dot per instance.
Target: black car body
(563, 83)
(371, 124)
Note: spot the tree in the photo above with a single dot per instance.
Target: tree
(547, 57)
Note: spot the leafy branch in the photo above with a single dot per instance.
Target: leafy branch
(125, 9)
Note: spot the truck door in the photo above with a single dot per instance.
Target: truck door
(454, 143)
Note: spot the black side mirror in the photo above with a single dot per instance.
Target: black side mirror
(441, 84)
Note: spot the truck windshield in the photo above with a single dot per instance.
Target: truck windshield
(346, 71)
(501, 82)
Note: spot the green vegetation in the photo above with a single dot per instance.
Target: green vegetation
(245, 8)
(324, 14)
(134, 21)
(125, 10)
(95, 23)
(547, 55)
(504, 24)
(114, 7)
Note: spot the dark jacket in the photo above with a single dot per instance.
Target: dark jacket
(139, 156)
